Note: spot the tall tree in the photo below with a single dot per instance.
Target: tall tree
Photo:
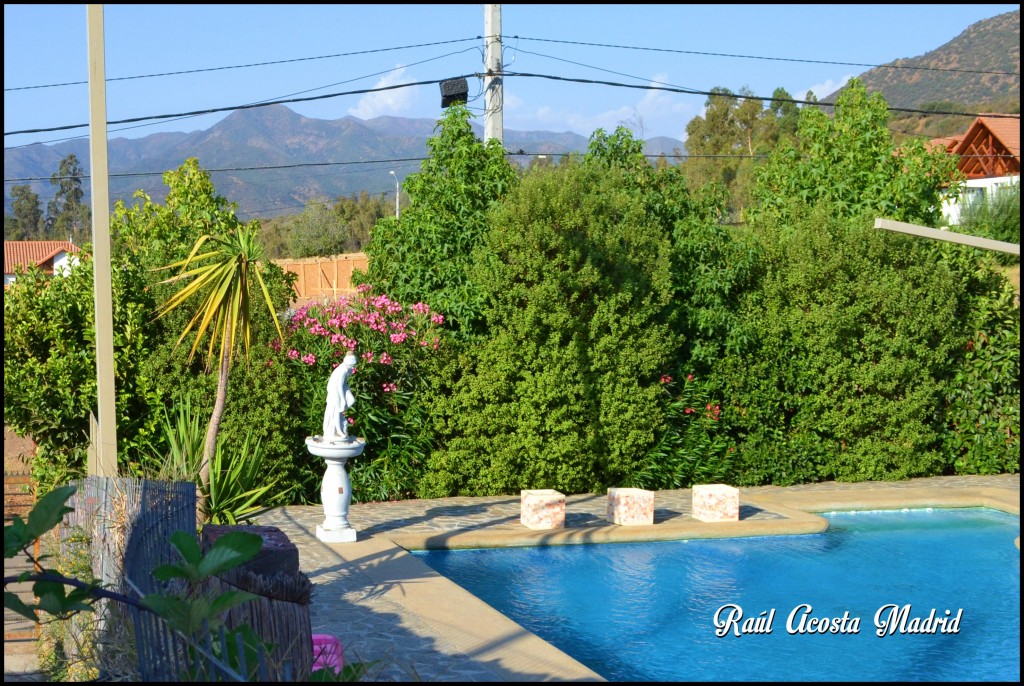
(66, 215)
(425, 255)
(360, 214)
(725, 143)
(26, 219)
(221, 279)
(851, 161)
(318, 230)
(785, 116)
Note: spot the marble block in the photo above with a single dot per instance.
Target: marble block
(716, 503)
(542, 509)
(630, 506)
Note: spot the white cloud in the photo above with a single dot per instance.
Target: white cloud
(511, 102)
(822, 90)
(656, 113)
(394, 102)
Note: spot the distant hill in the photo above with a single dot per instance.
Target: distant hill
(276, 136)
(990, 45)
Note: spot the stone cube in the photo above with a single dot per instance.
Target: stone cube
(542, 509)
(630, 506)
(716, 503)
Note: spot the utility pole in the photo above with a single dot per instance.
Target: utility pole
(493, 126)
(103, 450)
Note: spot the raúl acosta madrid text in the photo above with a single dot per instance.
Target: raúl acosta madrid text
(889, 619)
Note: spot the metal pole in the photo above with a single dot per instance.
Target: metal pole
(397, 189)
(493, 125)
(103, 452)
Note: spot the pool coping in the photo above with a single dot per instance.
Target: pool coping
(511, 652)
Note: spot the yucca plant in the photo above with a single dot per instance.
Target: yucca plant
(238, 484)
(222, 278)
(184, 437)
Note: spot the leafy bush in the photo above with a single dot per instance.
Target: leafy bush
(425, 256)
(854, 330)
(983, 395)
(50, 370)
(850, 161)
(392, 341)
(563, 392)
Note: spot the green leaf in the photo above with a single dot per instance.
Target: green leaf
(48, 511)
(229, 551)
(187, 546)
(168, 571)
(14, 603)
(229, 599)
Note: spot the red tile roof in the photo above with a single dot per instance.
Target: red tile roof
(33, 252)
(990, 148)
(1005, 130)
(946, 143)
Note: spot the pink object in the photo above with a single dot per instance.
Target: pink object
(630, 506)
(327, 652)
(542, 509)
(716, 503)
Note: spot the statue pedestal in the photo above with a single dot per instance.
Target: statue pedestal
(336, 491)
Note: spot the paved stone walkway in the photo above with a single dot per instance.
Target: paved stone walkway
(390, 609)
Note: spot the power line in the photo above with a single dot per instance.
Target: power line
(266, 100)
(297, 165)
(245, 66)
(240, 107)
(609, 71)
(508, 153)
(670, 89)
(776, 59)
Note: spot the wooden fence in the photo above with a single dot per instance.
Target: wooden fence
(324, 277)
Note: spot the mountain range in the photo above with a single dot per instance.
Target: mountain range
(312, 157)
(333, 158)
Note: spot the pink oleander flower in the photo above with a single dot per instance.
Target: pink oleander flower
(364, 288)
(350, 421)
(437, 319)
(389, 387)
(367, 356)
(398, 338)
(309, 359)
(665, 378)
(421, 308)
(385, 358)
(293, 354)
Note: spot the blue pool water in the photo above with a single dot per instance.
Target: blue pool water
(647, 611)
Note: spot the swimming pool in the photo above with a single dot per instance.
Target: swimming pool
(801, 608)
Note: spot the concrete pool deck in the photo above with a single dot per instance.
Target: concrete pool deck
(390, 608)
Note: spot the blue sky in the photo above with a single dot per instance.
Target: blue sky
(47, 44)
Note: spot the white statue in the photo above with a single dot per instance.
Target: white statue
(339, 399)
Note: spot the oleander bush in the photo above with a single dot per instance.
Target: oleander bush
(394, 344)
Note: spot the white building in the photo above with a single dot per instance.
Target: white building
(53, 257)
